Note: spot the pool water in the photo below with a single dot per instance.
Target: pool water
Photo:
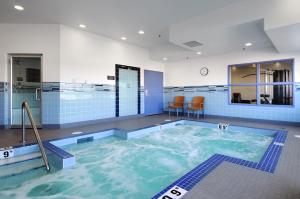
(137, 168)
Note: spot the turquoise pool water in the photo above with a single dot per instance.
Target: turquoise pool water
(133, 169)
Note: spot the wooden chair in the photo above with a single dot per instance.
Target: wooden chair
(196, 105)
(177, 104)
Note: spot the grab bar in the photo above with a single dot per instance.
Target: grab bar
(37, 91)
(25, 107)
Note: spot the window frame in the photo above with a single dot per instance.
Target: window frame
(258, 84)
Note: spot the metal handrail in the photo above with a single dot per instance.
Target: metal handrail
(25, 107)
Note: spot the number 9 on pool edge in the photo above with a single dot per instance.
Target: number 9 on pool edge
(175, 192)
(4, 154)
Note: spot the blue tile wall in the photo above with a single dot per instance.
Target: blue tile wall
(6, 103)
(51, 103)
(84, 102)
(64, 103)
(28, 96)
(19, 95)
(1, 103)
(216, 103)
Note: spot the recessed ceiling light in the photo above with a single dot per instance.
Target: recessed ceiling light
(165, 58)
(123, 38)
(141, 32)
(82, 26)
(199, 53)
(18, 7)
(248, 44)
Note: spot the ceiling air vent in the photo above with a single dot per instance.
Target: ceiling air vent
(193, 44)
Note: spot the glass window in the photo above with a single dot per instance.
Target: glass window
(243, 94)
(274, 85)
(277, 71)
(276, 94)
(243, 74)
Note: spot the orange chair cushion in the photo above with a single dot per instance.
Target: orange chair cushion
(174, 106)
(178, 102)
(197, 103)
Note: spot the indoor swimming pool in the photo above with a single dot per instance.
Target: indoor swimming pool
(136, 168)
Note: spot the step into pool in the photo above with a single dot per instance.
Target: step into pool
(136, 168)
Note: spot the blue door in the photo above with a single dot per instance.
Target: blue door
(153, 83)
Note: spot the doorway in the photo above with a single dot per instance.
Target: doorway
(25, 85)
(153, 82)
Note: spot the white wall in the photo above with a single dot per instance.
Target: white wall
(34, 39)
(69, 54)
(87, 57)
(187, 73)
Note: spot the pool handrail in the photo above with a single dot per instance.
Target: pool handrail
(25, 108)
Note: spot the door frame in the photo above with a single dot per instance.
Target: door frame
(117, 68)
(10, 69)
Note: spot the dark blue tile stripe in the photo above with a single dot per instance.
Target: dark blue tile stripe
(275, 160)
(267, 154)
(195, 175)
(200, 174)
(281, 136)
(58, 151)
(267, 163)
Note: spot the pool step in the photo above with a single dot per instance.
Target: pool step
(20, 164)
(19, 158)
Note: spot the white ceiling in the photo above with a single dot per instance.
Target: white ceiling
(286, 38)
(220, 40)
(266, 24)
(221, 25)
(112, 18)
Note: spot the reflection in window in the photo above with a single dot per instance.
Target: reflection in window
(274, 85)
(243, 74)
(278, 71)
(243, 94)
(276, 94)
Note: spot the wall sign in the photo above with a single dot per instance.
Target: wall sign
(109, 77)
(204, 71)
(175, 192)
(6, 153)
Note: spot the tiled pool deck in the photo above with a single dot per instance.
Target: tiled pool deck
(231, 178)
(267, 163)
